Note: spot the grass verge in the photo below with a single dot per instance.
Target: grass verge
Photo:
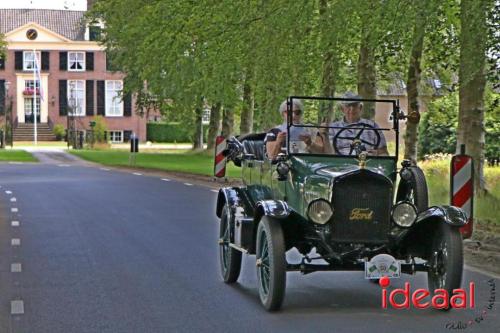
(200, 163)
(437, 174)
(16, 156)
(486, 207)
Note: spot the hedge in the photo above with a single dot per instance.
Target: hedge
(172, 132)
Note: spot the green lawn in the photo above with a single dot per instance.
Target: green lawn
(16, 156)
(169, 160)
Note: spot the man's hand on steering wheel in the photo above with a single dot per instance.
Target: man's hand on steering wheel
(357, 143)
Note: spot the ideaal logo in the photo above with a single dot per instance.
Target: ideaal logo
(461, 325)
(460, 298)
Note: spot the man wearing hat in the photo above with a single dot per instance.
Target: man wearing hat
(352, 109)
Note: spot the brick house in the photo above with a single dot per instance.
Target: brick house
(77, 81)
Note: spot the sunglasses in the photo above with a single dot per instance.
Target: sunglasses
(296, 112)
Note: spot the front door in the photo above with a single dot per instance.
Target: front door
(29, 114)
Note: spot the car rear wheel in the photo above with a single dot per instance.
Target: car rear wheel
(271, 263)
(230, 259)
(414, 189)
(445, 260)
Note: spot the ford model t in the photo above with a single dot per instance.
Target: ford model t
(345, 205)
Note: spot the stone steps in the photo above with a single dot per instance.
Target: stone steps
(25, 132)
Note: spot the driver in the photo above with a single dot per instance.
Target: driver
(367, 139)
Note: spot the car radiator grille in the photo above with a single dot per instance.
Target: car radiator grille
(361, 208)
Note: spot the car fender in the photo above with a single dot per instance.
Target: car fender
(451, 215)
(417, 235)
(274, 208)
(227, 195)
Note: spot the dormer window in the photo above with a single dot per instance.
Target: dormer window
(76, 61)
(94, 33)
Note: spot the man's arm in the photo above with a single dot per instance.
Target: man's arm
(274, 142)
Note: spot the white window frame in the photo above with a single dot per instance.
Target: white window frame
(75, 54)
(31, 61)
(113, 103)
(80, 106)
(111, 136)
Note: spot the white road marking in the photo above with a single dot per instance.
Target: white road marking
(13, 199)
(215, 191)
(14, 223)
(105, 169)
(188, 184)
(16, 307)
(64, 165)
(137, 174)
(16, 268)
(14, 210)
(15, 242)
(8, 192)
(165, 179)
(15, 162)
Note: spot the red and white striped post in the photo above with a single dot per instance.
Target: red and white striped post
(220, 159)
(462, 187)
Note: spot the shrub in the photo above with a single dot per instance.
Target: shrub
(59, 131)
(172, 132)
(100, 129)
(437, 130)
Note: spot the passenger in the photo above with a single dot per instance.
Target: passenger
(368, 138)
(301, 137)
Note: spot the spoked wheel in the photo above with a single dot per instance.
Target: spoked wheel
(271, 263)
(446, 259)
(414, 189)
(230, 259)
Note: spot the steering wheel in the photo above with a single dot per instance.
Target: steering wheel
(356, 140)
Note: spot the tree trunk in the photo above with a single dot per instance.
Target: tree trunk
(198, 132)
(214, 126)
(472, 81)
(228, 122)
(246, 120)
(413, 80)
(367, 78)
(328, 80)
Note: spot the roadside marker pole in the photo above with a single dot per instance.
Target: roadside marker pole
(462, 187)
(220, 159)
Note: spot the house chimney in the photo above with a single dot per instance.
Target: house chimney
(89, 4)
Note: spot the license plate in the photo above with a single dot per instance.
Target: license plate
(382, 265)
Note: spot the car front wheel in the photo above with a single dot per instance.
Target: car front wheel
(271, 263)
(445, 260)
(230, 259)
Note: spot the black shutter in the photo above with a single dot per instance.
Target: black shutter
(100, 98)
(19, 60)
(45, 61)
(63, 97)
(63, 61)
(89, 97)
(2, 63)
(89, 61)
(127, 105)
(2, 97)
(126, 136)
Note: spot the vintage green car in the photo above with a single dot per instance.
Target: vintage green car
(356, 211)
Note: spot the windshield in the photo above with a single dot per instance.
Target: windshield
(343, 127)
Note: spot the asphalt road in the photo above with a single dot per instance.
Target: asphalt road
(98, 250)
